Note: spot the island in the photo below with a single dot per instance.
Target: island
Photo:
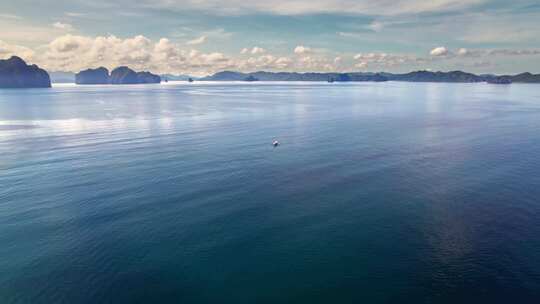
(15, 73)
(147, 77)
(93, 76)
(120, 75)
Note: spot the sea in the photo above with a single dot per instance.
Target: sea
(389, 192)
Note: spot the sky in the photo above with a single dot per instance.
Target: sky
(200, 37)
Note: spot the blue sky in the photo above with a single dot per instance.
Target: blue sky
(203, 36)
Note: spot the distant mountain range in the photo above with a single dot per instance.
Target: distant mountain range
(417, 76)
(15, 73)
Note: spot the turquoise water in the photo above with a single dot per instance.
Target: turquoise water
(379, 193)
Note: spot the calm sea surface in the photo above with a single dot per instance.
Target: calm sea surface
(379, 193)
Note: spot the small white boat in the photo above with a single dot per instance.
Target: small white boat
(275, 143)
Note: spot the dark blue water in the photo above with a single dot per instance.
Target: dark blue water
(379, 193)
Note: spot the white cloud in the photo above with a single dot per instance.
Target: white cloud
(214, 57)
(283, 62)
(10, 16)
(261, 62)
(514, 52)
(301, 50)
(8, 50)
(361, 65)
(197, 41)
(253, 51)
(257, 50)
(63, 26)
(376, 26)
(74, 14)
(384, 60)
(463, 52)
(439, 51)
(75, 53)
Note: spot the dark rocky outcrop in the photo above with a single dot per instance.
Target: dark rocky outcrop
(147, 77)
(120, 75)
(93, 76)
(15, 73)
(124, 75)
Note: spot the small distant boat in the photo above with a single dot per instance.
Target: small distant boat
(331, 80)
(190, 79)
(275, 143)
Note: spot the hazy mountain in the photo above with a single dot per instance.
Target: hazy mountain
(526, 77)
(62, 77)
(288, 76)
(226, 76)
(417, 76)
(428, 76)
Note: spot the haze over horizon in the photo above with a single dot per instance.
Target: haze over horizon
(203, 37)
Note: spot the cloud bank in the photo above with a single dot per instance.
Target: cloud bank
(75, 52)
